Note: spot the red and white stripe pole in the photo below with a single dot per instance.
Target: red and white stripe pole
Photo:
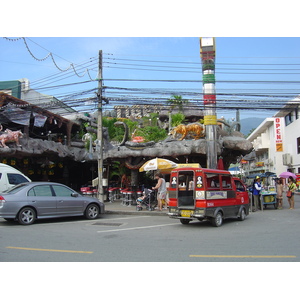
(207, 53)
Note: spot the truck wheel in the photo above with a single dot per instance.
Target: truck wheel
(217, 221)
(185, 221)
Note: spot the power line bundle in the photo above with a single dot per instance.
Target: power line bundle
(130, 81)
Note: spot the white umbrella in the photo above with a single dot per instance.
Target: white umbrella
(158, 164)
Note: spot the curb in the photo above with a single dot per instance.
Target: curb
(141, 213)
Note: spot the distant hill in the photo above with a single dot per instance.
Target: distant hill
(249, 123)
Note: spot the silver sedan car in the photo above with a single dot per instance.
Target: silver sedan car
(29, 201)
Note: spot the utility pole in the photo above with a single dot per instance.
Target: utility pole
(207, 52)
(100, 131)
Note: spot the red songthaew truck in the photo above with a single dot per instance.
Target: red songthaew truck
(206, 194)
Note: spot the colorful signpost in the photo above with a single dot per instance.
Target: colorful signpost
(207, 53)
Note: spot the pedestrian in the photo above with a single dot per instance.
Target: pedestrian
(256, 192)
(161, 189)
(279, 192)
(292, 187)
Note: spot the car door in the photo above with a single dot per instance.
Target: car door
(41, 197)
(66, 203)
(241, 193)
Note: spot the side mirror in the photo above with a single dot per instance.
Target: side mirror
(74, 195)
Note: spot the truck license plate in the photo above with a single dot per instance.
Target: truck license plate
(186, 213)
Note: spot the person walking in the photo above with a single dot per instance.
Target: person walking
(279, 192)
(161, 189)
(292, 187)
(256, 192)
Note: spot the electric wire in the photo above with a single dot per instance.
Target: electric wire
(128, 96)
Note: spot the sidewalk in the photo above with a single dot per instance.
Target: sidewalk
(116, 207)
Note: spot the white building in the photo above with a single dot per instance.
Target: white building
(48, 102)
(276, 142)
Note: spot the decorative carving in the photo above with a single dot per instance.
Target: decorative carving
(194, 129)
(136, 138)
(126, 133)
(134, 144)
(10, 136)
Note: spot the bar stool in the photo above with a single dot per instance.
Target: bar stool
(95, 192)
(118, 193)
(124, 196)
(84, 190)
(89, 193)
(129, 197)
(110, 194)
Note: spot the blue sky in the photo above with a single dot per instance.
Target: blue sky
(266, 68)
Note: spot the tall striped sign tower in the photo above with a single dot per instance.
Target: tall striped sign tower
(207, 53)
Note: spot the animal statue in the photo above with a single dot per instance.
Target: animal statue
(234, 126)
(126, 133)
(136, 138)
(194, 129)
(86, 137)
(10, 136)
(137, 143)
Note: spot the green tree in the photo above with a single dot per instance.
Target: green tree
(152, 133)
(149, 131)
(116, 133)
(177, 101)
(177, 119)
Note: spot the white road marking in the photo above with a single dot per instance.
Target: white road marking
(136, 228)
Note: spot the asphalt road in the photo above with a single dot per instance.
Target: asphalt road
(265, 236)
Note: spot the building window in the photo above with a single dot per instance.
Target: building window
(298, 145)
(288, 119)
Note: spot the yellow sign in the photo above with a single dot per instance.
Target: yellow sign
(279, 147)
(210, 120)
(195, 165)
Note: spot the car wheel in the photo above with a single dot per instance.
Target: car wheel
(217, 221)
(26, 216)
(92, 211)
(242, 215)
